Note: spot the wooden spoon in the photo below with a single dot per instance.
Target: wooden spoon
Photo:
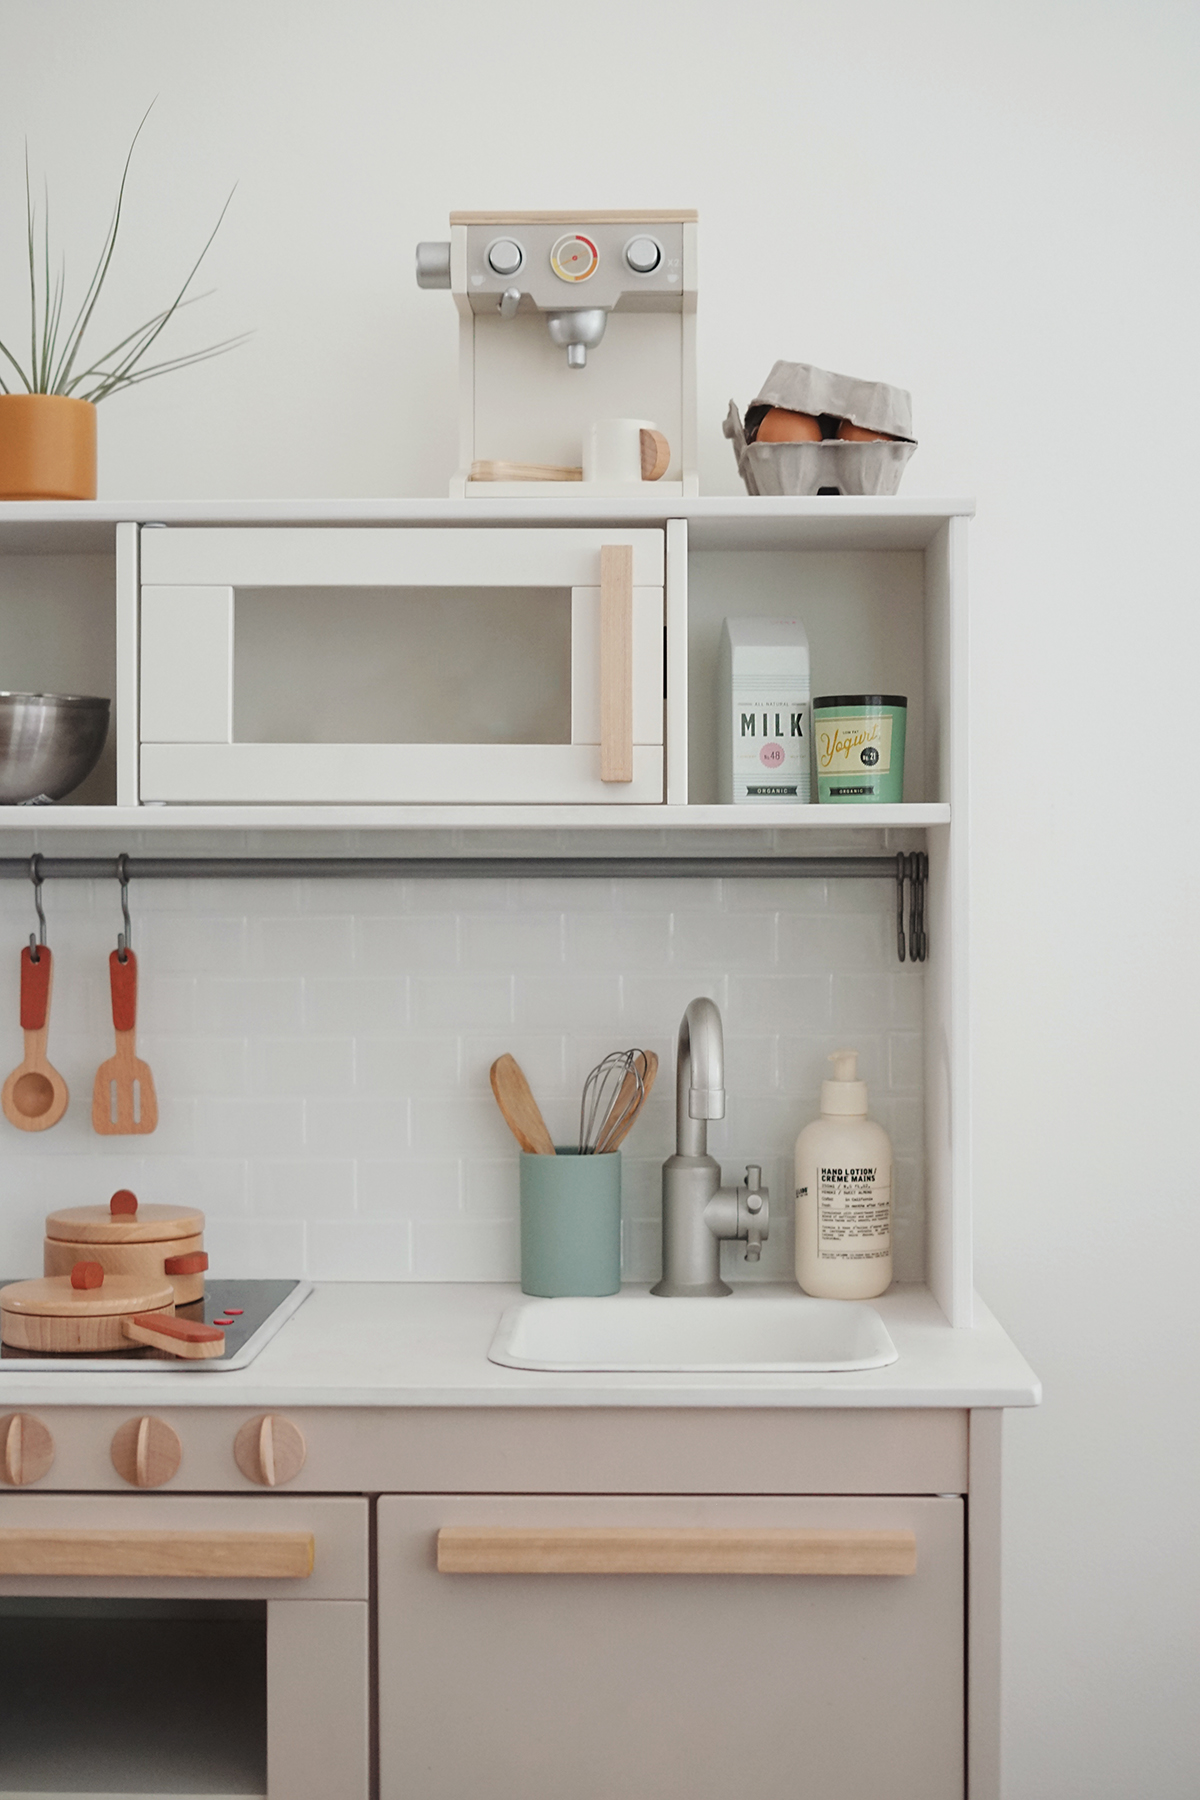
(519, 1108)
(35, 1095)
(124, 1103)
(615, 1128)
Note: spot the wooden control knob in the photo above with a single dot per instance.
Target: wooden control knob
(26, 1449)
(146, 1452)
(270, 1450)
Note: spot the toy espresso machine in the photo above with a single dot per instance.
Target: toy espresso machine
(577, 351)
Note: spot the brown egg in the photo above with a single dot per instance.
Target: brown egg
(782, 427)
(858, 434)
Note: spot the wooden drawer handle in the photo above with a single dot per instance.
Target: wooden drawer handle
(472, 1550)
(199, 1555)
(616, 662)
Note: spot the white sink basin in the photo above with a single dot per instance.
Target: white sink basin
(765, 1334)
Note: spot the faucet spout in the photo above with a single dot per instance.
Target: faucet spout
(698, 1213)
(699, 1077)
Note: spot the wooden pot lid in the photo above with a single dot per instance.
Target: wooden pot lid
(124, 1221)
(54, 1297)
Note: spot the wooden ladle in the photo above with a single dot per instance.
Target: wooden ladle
(35, 1095)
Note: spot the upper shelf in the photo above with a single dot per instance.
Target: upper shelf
(40, 819)
(715, 522)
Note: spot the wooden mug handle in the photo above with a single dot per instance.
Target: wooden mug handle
(656, 455)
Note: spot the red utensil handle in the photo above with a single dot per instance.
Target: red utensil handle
(35, 988)
(123, 977)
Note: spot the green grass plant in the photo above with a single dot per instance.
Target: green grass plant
(56, 363)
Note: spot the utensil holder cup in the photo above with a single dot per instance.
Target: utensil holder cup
(570, 1224)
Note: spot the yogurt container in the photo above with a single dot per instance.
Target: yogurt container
(858, 743)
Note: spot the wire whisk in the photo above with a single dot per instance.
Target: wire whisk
(612, 1092)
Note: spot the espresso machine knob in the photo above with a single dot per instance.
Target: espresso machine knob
(643, 254)
(505, 257)
(433, 265)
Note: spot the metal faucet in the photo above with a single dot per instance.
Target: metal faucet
(697, 1211)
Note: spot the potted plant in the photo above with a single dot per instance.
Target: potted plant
(48, 401)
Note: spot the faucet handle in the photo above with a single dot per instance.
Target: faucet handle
(754, 1209)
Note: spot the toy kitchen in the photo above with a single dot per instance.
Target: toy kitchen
(401, 1377)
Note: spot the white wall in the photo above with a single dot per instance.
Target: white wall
(991, 204)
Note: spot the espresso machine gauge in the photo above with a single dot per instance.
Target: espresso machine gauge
(567, 320)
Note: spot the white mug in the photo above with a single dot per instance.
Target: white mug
(624, 450)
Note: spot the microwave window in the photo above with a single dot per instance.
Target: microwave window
(405, 665)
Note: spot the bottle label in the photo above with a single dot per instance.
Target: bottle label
(770, 744)
(855, 746)
(854, 1214)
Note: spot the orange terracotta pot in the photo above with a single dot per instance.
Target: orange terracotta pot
(47, 448)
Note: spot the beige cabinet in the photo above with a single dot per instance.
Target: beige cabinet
(537, 1648)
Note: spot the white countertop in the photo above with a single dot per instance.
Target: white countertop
(398, 1344)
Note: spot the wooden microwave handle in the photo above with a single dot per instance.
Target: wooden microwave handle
(476, 1550)
(187, 1555)
(616, 662)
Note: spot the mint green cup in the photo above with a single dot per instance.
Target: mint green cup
(570, 1224)
(858, 748)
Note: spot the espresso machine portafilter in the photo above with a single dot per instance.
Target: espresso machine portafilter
(615, 292)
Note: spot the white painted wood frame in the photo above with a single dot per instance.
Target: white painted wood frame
(125, 700)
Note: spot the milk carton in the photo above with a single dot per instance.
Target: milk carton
(764, 694)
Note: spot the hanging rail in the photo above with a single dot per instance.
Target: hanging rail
(909, 868)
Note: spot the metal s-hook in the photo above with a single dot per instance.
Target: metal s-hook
(36, 876)
(124, 938)
(901, 872)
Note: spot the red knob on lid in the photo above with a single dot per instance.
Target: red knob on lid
(87, 1275)
(123, 1201)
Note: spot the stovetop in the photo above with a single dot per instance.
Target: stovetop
(259, 1309)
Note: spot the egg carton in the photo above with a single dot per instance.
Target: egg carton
(834, 464)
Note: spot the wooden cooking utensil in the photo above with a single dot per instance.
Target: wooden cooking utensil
(619, 1124)
(519, 1108)
(124, 1103)
(35, 1095)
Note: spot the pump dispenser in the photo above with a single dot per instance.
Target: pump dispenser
(844, 1193)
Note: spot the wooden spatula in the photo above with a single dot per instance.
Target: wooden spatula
(124, 1103)
(35, 1094)
(616, 1128)
(519, 1107)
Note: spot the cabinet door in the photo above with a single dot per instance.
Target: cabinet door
(423, 665)
(701, 1682)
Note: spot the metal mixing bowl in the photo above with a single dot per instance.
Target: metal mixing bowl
(48, 744)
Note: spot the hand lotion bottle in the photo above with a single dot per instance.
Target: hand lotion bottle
(844, 1193)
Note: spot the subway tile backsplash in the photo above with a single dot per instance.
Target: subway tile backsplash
(321, 1054)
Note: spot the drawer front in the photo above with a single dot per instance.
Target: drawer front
(558, 695)
(129, 1545)
(689, 1649)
